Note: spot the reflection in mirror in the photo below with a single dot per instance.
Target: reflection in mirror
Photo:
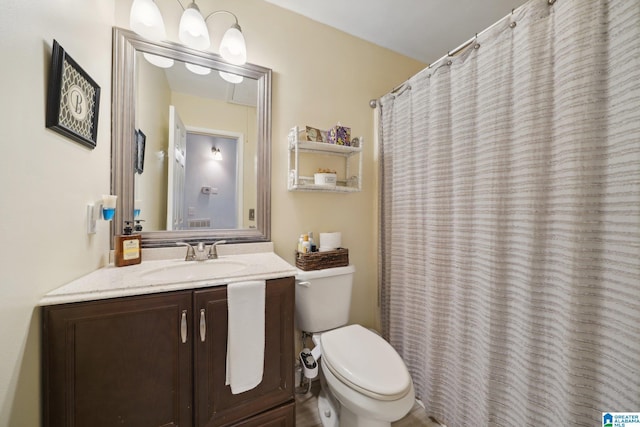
(186, 111)
(206, 150)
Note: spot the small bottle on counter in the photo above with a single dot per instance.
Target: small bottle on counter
(128, 248)
(306, 246)
(300, 240)
(312, 243)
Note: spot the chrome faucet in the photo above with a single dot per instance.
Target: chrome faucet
(213, 253)
(198, 253)
(191, 253)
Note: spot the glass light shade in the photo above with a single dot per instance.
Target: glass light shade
(158, 61)
(231, 78)
(145, 19)
(233, 47)
(193, 30)
(197, 69)
(217, 155)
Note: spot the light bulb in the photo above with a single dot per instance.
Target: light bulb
(145, 19)
(158, 61)
(231, 78)
(193, 30)
(233, 47)
(197, 69)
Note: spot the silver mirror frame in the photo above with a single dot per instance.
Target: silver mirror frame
(125, 45)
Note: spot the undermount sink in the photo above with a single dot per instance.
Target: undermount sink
(191, 271)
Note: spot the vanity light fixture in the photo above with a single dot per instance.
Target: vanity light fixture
(146, 20)
(158, 61)
(197, 69)
(193, 28)
(217, 155)
(194, 33)
(231, 78)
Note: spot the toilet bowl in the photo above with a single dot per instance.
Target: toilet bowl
(367, 377)
(360, 370)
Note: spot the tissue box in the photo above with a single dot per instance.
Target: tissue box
(339, 135)
(325, 179)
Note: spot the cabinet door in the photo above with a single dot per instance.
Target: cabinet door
(215, 405)
(118, 362)
(284, 416)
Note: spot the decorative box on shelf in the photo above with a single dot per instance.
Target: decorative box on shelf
(314, 134)
(339, 135)
(321, 260)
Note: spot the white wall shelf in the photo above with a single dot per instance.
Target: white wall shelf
(350, 184)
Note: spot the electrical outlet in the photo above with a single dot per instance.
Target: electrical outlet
(252, 214)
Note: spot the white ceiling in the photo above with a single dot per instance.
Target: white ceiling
(421, 29)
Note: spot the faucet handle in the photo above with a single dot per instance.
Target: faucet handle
(191, 253)
(213, 253)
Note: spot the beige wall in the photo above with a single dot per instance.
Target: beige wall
(321, 76)
(47, 181)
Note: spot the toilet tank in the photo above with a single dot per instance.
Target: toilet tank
(323, 298)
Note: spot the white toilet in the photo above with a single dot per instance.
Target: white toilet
(360, 369)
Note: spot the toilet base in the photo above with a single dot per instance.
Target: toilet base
(327, 410)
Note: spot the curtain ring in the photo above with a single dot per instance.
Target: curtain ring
(476, 46)
(513, 24)
(551, 2)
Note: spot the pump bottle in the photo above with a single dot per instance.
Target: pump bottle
(128, 249)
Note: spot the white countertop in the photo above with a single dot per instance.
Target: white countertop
(112, 282)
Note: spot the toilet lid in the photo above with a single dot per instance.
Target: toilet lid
(366, 362)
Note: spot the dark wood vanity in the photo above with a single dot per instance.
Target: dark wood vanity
(129, 362)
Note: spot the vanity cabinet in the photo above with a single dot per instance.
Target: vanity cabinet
(145, 361)
(352, 181)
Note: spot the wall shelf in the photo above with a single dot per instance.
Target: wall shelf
(350, 183)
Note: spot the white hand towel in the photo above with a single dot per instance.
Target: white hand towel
(245, 337)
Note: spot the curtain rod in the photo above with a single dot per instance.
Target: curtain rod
(373, 103)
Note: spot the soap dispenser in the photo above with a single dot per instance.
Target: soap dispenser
(127, 247)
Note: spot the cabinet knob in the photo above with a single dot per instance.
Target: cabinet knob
(183, 326)
(203, 325)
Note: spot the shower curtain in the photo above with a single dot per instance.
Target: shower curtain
(510, 220)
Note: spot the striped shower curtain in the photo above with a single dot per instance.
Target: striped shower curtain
(510, 220)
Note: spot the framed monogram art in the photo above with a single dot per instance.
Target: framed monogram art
(73, 99)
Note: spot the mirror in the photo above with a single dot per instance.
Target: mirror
(190, 152)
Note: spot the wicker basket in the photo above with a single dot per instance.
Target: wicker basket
(322, 260)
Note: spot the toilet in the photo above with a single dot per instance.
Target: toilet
(364, 382)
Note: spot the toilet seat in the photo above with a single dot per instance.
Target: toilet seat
(365, 362)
